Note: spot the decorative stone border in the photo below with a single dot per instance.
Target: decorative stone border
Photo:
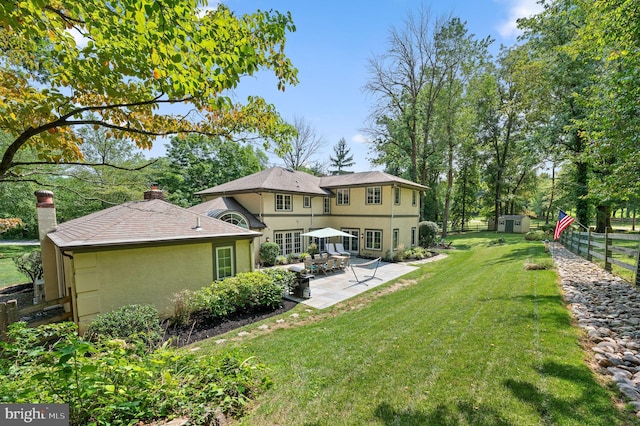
(608, 309)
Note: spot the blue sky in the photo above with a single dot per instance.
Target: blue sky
(331, 45)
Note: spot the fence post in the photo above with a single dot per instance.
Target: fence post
(571, 241)
(579, 238)
(589, 257)
(12, 311)
(3, 317)
(607, 252)
(638, 266)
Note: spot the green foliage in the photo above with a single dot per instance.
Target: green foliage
(110, 382)
(134, 57)
(343, 158)
(197, 162)
(30, 264)
(428, 233)
(268, 253)
(313, 249)
(417, 253)
(246, 292)
(282, 277)
(538, 235)
(282, 260)
(539, 264)
(131, 323)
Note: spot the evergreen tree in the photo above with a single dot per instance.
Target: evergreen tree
(343, 159)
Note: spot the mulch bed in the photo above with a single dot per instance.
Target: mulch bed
(23, 293)
(203, 326)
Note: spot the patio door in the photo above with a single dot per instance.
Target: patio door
(352, 245)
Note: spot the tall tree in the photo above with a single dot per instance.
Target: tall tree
(123, 61)
(503, 105)
(198, 162)
(548, 36)
(343, 158)
(610, 36)
(406, 80)
(305, 144)
(463, 56)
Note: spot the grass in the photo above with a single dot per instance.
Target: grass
(474, 339)
(9, 275)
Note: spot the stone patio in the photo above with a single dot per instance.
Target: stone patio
(327, 290)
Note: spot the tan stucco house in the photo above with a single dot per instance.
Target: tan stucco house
(138, 252)
(380, 210)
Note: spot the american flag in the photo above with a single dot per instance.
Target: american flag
(564, 220)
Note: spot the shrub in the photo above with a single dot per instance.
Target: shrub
(428, 232)
(246, 292)
(282, 260)
(268, 253)
(131, 323)
(107, 383)
(539, 264)
(536, 236)
(30, 264)
(282, 277)
(303, 255)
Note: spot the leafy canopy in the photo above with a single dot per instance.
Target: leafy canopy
(129, 63)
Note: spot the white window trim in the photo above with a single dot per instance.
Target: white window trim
(366, 239)
(233, 272)
(376, 195)
(343, 197)
(284, 202)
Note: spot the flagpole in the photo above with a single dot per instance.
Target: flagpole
(576, 222)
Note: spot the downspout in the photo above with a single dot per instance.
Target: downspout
(393, 203)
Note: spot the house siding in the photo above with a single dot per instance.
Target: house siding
(106, 280)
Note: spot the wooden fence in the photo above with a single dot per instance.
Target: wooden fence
(618, 249)
(9, 313)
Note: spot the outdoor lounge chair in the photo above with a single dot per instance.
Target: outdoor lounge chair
(332, 250)
(366, 265)
(340, 249)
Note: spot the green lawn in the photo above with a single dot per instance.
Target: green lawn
(8, 273)
(473, 339)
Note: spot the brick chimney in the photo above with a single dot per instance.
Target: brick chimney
(47, 222)
(154, 193)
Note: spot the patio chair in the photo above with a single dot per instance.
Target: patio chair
(330, 266)
(340, 249)
(332, 250)
(310, 266)
(366, 265)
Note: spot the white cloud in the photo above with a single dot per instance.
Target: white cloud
(359, 138)
(517, 9)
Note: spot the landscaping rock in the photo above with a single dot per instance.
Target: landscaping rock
(608, 309)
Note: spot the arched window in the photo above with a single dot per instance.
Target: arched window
(236, 219)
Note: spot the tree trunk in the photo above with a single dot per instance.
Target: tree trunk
(603, 218)
(447, 199)
(553, 188)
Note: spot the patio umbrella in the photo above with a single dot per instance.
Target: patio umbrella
(327, 233)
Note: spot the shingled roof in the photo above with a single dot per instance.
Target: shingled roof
(278, 179)
(375, 177)
(275, 179)
(140, 222)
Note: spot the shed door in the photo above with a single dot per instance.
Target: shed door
(508, 225)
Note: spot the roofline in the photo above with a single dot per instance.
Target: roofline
(147, 242)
